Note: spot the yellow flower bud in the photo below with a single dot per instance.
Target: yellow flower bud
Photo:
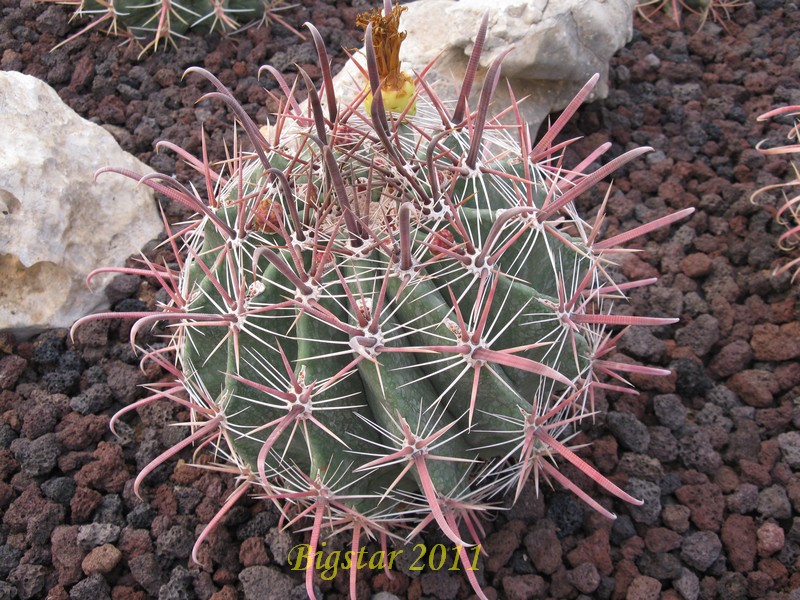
(397, 87)
(397, 100)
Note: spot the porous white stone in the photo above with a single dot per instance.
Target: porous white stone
(556, 46)
(57, 223)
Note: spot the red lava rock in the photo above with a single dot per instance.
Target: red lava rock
(40, 419)
(11, 367)
(185, 474)
(745, 441)
(775, 569)
(164, 501)
(643, 183)
(788, 375)
(112, 110)
(6, 495)
(758, 83)
(661, 539)
(625, 573)
(524, 587)
(700, 549)
(595, 549)
(124, 381)
(769, 452)
(253, 552)
(696, 265)
(134, 542)
(584, 578)
(781, 474)
(544, 547)
(78, 432)
(775, 420)
(67, 554)
(83, 72)
(755, 473)
(440, 584)
(635, 268)
(72, 461)
(34, 516)
(91, 339)
(739, 540)
(700, 335)
(83, 504)
(146, 571)
(706, 504)
(7, 342)
(755, 387)
(502, 544)
(604, 454)
(223, 576)
(126, 592)
(530, 506)
(58, 593)
(560, 585)
(165, 77)
(770, 539)
(101, 559)
(8, 464)
(774, 343)
(108, 472)
(228, 592)
(397, 584)
(633, 548)
(676, 517)
(643, 588)
(759, 584)
(727, 479)
(160, 524)
(7, 399)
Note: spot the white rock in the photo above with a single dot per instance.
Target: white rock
(56, 223)
(557, 47)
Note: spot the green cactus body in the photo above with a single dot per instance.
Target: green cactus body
(387, 322)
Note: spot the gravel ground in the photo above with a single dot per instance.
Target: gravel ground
(712, 449)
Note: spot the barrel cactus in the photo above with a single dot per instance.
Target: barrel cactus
(388, 313)
(165, 20)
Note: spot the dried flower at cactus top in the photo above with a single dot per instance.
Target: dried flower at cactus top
(397, 87)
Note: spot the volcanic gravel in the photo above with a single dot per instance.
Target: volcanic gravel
(712, 449)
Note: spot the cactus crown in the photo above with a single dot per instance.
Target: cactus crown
(384, 322)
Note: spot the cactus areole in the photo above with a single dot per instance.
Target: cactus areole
(386, 321)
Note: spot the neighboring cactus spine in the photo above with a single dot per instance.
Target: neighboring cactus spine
(164, 20)
(385, 320)
(788, 213)
(718, 10)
